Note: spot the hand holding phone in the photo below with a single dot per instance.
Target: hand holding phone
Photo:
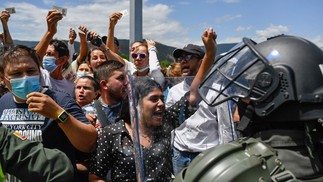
(96, 41)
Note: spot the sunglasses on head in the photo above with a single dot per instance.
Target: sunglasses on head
(187, 57)
(141, 56)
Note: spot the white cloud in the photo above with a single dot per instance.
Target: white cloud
(259, 35)
(318, 40)
(230, 40)
(227, 17)
(270, 31)
(30, 21)
(243, 28)
(48, 1)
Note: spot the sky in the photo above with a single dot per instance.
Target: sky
(175, 22)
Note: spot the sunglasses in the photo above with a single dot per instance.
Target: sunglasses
(141, 56)
(187, 57)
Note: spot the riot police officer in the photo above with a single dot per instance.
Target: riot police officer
(282, 80)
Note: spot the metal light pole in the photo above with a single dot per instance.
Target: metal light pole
(135, 35)
(135, 21)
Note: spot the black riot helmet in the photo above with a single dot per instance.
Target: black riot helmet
(280, 76)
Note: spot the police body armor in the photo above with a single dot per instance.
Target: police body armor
(281, 79)
(246, 159)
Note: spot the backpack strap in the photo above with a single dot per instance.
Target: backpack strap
(102, 117)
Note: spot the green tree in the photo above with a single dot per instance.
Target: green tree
(164, 63)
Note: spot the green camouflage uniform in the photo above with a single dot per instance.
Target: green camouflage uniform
(30, 161)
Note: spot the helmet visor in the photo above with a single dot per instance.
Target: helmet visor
(234, 76)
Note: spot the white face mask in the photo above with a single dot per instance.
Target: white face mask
(81, 73)
(143, 69)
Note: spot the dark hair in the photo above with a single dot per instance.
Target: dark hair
(85, 62)
(115, 40)
(104, 39)
(106, 69)
(140, 43)
(88, 58)
(94, 83)
(143, 86)
(60, 47)
(15, 53)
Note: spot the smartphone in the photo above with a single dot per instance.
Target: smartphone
(95, 41)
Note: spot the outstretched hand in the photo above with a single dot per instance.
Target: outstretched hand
(4, 16)
(150, 43)
(52, 18)
(83, 29)
(114, 18)
(208, 38)
(71, 36)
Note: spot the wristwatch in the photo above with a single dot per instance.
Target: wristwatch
(62, 117)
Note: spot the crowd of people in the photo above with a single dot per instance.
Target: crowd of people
(73, 104)
(95, 116)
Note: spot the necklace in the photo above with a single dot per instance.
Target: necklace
(146, 137)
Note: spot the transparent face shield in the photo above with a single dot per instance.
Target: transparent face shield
(236, 74)
(149, 131)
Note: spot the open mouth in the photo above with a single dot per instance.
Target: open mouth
(185, 69)
(80, 97)
(158, 114)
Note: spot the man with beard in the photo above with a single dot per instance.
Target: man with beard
(112, 79)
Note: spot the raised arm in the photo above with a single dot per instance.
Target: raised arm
(7, 40)
(109, 53)
(208, 38)
(114, 18)
(70, 44)
(83, 44)
(153, 59)
(52, 18)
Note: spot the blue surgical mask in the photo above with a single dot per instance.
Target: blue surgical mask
(21, 87)
(49, 63)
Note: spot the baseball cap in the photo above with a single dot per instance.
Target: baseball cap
(189, 48)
